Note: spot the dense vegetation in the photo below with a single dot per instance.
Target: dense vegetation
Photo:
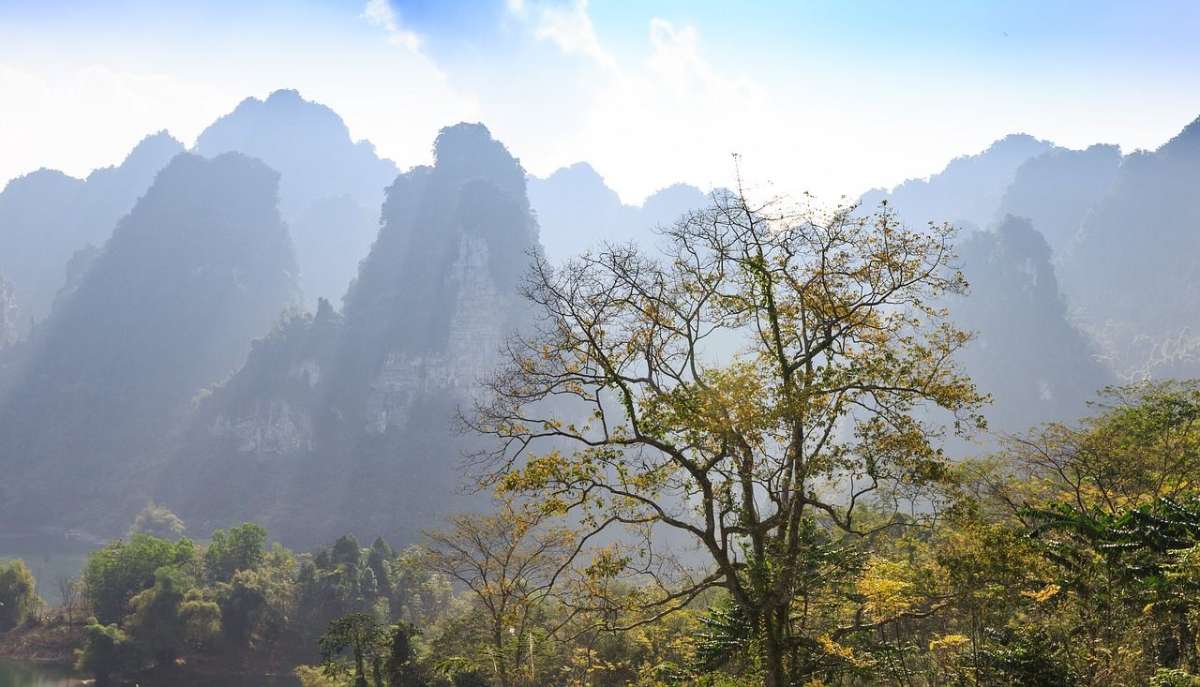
(782, 516)
(1071, 558)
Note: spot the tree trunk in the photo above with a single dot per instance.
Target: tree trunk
(774, 653)
(501, 664)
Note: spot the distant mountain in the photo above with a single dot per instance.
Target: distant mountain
(46, 216)
(9, 314)
(345, 422)
(577, 211)
(200, 267)
(1057, 189)
(330, 187)
(1036, 364)
(1133, 273)
(967, 192)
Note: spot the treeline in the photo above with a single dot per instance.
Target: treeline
(1073, 558)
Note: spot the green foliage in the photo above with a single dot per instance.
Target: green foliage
(201, 620)
(155, 621)
(122, 569)
(1027, 659)
(1164, 677)
(353, 646)
(240, 548)
(158, 521)
(106, 651)
(18, 594)
(402, 669)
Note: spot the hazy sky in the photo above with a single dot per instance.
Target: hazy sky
(832, 97)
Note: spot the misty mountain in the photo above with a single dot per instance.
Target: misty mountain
(346, 421)
(1033, 361)
(577, 211)
(1133, 274)
(46, 216)
(967, 192)
(330, 188)
(10, 314)
(1028, 353)
(200, 267)
(1057, 189)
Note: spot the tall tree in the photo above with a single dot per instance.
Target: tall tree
(509, 562)
(825, 409)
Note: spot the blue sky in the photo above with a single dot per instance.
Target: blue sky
(829, 97)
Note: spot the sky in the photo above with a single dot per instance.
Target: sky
(830, 98)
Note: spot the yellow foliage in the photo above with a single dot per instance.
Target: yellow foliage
(1044, 594)
(885, 587)
(951, 642)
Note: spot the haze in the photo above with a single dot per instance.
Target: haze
(535, 343)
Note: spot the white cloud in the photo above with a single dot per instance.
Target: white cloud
(670, 116)
(381, 14)
(76, 119)
(570, 28)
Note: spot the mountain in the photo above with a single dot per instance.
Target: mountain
(46, 216)
(1057, 189)
(1027, 354)
(9, 314)
(330, 187)
(200, 267)
(967, 192)
(343, 422)
(1133, 272)
(577, 211)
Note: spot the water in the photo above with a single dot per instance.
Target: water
(21, 674)
(18, 674)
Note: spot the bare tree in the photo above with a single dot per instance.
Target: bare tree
(822, 409)
(70, 592)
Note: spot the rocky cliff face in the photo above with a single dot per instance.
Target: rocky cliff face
(46, 216)
(346, 422)
(200, 267)
(1027, 354)
(330, 186)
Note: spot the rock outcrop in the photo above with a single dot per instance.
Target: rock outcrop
(344, 422)
(1026, 354)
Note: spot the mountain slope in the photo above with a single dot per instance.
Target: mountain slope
(577, 211)
(46, 216)
(199, 267)
(1133, 272)
(967, 192)
(346, 422)
(1027, 354)
(1057, 189)
(330, 187)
